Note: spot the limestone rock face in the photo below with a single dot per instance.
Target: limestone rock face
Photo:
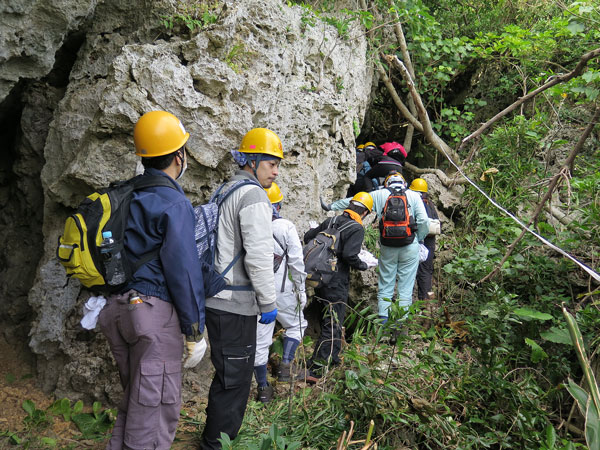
(259, 65)
(31, 32)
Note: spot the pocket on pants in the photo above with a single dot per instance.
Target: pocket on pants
(151, 382)
(237, 361)
(172, 383)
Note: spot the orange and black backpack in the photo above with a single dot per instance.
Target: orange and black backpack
(397, 226)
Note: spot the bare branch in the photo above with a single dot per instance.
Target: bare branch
(406, 57)
(430, 135)
(554, 81)
(446, 181)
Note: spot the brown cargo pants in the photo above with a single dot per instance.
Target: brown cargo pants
(146, 343)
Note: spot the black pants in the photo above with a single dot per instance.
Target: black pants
(232, 340)
(328, 346)
(425, 271)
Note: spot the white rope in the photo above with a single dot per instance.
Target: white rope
(584, 266)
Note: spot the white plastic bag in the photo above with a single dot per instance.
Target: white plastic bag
(423, 253)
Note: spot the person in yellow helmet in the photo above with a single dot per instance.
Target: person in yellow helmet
(290, 278)
(397, 265)
(144, 322)
(333, 295)
(362, 167)
(244, 242)
(425, 270)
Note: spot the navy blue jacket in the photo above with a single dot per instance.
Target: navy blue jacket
(161, 217)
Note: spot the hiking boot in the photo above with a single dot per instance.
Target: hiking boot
(284, 374)
(306, 376)
(265, 394)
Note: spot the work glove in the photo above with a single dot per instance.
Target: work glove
(268, 317)
(195, 352)
(302, 297)
(324, 205)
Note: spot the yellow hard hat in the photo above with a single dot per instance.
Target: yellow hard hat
(365, 199)
(158, 133)
(262, 140)
(370, 144)
(419, 185)
(274, 193)
(360, 147)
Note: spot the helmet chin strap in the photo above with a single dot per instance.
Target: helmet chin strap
(256, 163)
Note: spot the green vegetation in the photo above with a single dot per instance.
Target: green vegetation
(194, 15)
(503, 364)
(93, 425)
(497, 368)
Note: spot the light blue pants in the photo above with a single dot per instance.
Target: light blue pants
(397, 264)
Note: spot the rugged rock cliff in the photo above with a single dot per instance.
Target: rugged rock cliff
(74, 78)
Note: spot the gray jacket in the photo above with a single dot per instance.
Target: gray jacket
(245, 223)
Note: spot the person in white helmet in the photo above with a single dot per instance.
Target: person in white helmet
(291, 299)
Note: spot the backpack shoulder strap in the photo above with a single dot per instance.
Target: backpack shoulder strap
(219, 197)
(280, 245)
(286, 256)
(347, 225)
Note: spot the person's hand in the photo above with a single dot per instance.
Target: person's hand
(324, 205)
(268, 317)
(302, 297)
(195, 353)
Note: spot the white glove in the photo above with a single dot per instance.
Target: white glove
(423, 253)
(368, 258)
(91, 311)
(302, 296)
(312, 224)
(195, 351)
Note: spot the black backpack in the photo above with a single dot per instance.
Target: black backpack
(321, 254)
(105, 210)
(397, 226)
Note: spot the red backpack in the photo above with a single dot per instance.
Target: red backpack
(397, 227)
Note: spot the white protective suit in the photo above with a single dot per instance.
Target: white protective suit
(291, 295)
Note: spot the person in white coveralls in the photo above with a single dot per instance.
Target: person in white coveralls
(291, 299)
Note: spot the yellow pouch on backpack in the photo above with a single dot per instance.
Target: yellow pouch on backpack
(74, 253)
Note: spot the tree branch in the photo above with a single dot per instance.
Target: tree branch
(554, 81)
(430, 135)
(446, 181)
(551, 187)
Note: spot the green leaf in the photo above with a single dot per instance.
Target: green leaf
(557, 335)
(29, 407)
(48, 441)
(592, 426)
(550, 436)
(575, 27)
(532, 314)
(537, 352)
(580, 396)
(78, 407)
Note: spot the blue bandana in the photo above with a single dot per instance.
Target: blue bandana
(242, 159)
(276, 207)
